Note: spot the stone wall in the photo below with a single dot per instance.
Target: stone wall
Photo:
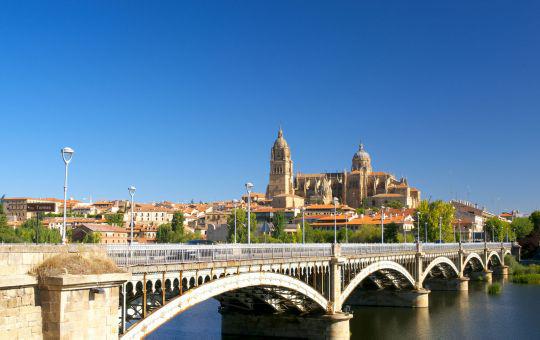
(20, 313)
(64, 307)
(20, 259)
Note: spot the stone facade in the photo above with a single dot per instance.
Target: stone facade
(356, 188)
(20, 314)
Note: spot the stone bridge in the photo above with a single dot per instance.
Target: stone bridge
(307, 288)
(292, 279)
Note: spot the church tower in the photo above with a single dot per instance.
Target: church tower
(281, 169)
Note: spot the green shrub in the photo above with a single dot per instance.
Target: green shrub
(495, 289)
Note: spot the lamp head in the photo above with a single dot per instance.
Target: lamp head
(67, 154)
(249, 186)
(336, 200)
(132, 190)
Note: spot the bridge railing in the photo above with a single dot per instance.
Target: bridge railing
(376, 248)
(439, 247)
(126, 255)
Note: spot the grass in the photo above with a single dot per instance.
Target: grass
(523, 274)
(76, 264)
(531, 278)
(495, 289)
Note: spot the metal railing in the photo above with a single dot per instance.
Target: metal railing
(438, 247)
(157, 254)
(376, 248)
(125, 255)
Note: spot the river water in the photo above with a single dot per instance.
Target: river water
(514, 314)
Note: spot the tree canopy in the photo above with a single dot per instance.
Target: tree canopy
(241, 226)
(433, 213)
(115, 219)
(521, 226)
(177, 223)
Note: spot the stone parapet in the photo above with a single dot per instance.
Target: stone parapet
(20, 259)
(81, 306)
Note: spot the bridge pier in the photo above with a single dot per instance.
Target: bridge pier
(457, 284)
(417, 298)
(331, 326)
(485, 275)
(501, 271)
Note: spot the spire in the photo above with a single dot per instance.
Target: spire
(280, 132)
(361, 146)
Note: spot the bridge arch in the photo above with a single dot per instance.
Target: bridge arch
(441, 260)
(497, 262)
(473, 257)
(217, 287)
(372, 268)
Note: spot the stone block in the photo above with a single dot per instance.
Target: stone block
(15, 259)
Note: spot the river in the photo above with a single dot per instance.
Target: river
(451, 315)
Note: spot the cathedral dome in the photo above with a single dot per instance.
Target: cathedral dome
(280, 141)
(361, 160)
(361, 154)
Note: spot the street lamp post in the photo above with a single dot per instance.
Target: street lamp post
(382, 224)
(235, 202)
(67, 155)
(425, 231)
(335, 220)
(303, 225)
(418, 229)
(440, 229)
(249, 187)
(131, 191)
(460, 231)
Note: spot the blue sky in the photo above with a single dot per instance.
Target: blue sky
(184, 99)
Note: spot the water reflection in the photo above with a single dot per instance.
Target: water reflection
(463, 315)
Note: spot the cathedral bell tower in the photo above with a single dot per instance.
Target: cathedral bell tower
(281, 169)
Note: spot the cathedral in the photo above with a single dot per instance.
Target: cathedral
(360, 187)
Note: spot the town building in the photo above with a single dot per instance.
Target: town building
(16, 208)
(360, 187)
(108, 234)
(469, 220)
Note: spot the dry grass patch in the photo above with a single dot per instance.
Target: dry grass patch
(76, 264)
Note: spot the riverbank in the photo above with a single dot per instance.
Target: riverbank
(523, 274)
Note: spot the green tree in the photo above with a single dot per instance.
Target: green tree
(521, 226)
(3, 217)
(165, 234)
(432, 213)
(241, 226)
(177, 223)
(366, 234)
(496, 229)
(279, 225)
(92, 238)
(360, 211)
(395, 204)
(115, 219)
(535, 219)
(391, 233)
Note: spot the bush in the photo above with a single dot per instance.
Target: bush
(495, 289)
